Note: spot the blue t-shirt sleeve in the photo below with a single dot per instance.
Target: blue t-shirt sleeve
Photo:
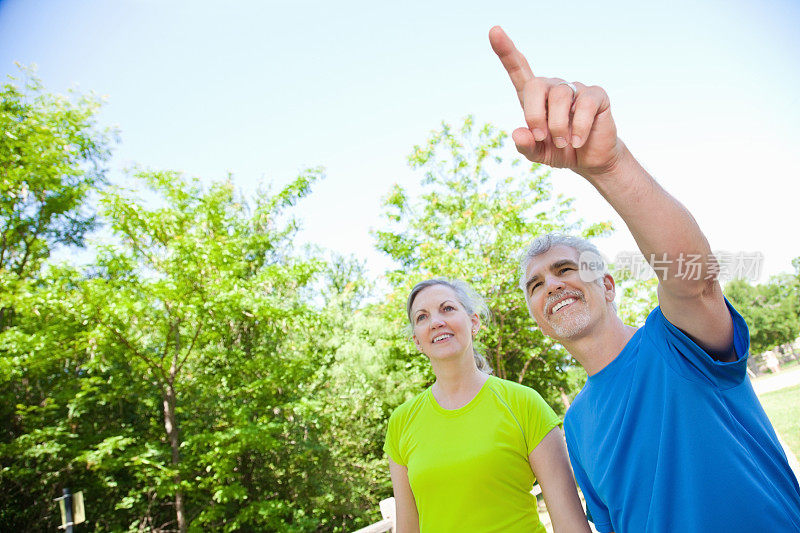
(690, 360)
(597, 510)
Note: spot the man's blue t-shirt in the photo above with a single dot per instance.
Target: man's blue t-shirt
(665, 438)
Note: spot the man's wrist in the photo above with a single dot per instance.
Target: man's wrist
(621, 164)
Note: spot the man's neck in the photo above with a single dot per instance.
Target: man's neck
(600, 345)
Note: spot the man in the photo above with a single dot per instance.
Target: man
(667, 434)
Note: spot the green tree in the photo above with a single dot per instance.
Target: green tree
(188, 361)
(357, 393)
(771, 310)
(52, 155)
(194, 286)
(37, 379)
(636, 296)
(475, 215)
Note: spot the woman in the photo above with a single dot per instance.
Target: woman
(464, 454)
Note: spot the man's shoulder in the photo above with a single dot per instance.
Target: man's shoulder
(654, 320)
(577, 408)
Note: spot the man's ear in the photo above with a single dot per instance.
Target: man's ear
(610, 288)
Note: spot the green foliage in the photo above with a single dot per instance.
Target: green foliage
(771, 310)
(188, 361)
(475, 215)
(206, 297)
(51, 155)
(636, 296)
(51, 159)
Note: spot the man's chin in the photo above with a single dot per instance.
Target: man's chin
(572, 328)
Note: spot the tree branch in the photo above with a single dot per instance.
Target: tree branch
(120, 337)
(191, 346)
(528, 362)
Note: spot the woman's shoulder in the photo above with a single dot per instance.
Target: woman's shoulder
(533, 414)
(511, 390)
(408, 408)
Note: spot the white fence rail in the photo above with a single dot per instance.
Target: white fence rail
(387, 524)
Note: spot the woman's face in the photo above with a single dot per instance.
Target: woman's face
(442, 328)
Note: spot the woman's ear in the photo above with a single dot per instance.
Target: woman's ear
(476, 323)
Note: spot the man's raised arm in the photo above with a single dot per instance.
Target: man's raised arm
(569, 125)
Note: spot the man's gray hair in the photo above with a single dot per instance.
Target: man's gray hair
(591, 263)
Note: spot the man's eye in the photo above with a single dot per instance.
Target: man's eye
(565, 269)
(533, 287)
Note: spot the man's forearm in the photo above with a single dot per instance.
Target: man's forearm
(666, 233)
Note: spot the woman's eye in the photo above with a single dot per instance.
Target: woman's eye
(420, 317)
(449, 308)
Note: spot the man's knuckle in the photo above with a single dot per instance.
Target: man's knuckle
(586, 103)
(598, 91)
(529, 84)
(558, 125)
(561, 92)
(535, 114)
(580, 127)
(538, 84)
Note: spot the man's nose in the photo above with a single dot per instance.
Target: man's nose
(554, 284)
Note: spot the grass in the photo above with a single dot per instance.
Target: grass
(783, 409)
(790, 364)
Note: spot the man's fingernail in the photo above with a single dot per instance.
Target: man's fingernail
(538, 134)
(576, 141)
(560, 142)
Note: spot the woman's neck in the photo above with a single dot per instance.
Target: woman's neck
(456, 386)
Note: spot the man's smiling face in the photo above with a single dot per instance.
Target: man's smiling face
(563, 305)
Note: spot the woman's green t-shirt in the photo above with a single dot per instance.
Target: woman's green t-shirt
(468, 467)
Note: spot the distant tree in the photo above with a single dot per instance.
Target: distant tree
(52, 157)
(771, 310)
(176, 379)
(39, 375)
(200, 294)
(474, 217)
(636, 296)
(356, 394)
(52, 152)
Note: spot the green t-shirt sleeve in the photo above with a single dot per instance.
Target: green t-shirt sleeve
(392, 443)
(538, 419)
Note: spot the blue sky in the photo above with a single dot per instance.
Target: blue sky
(705, 94)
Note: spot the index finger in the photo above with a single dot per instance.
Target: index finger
(512, 59)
